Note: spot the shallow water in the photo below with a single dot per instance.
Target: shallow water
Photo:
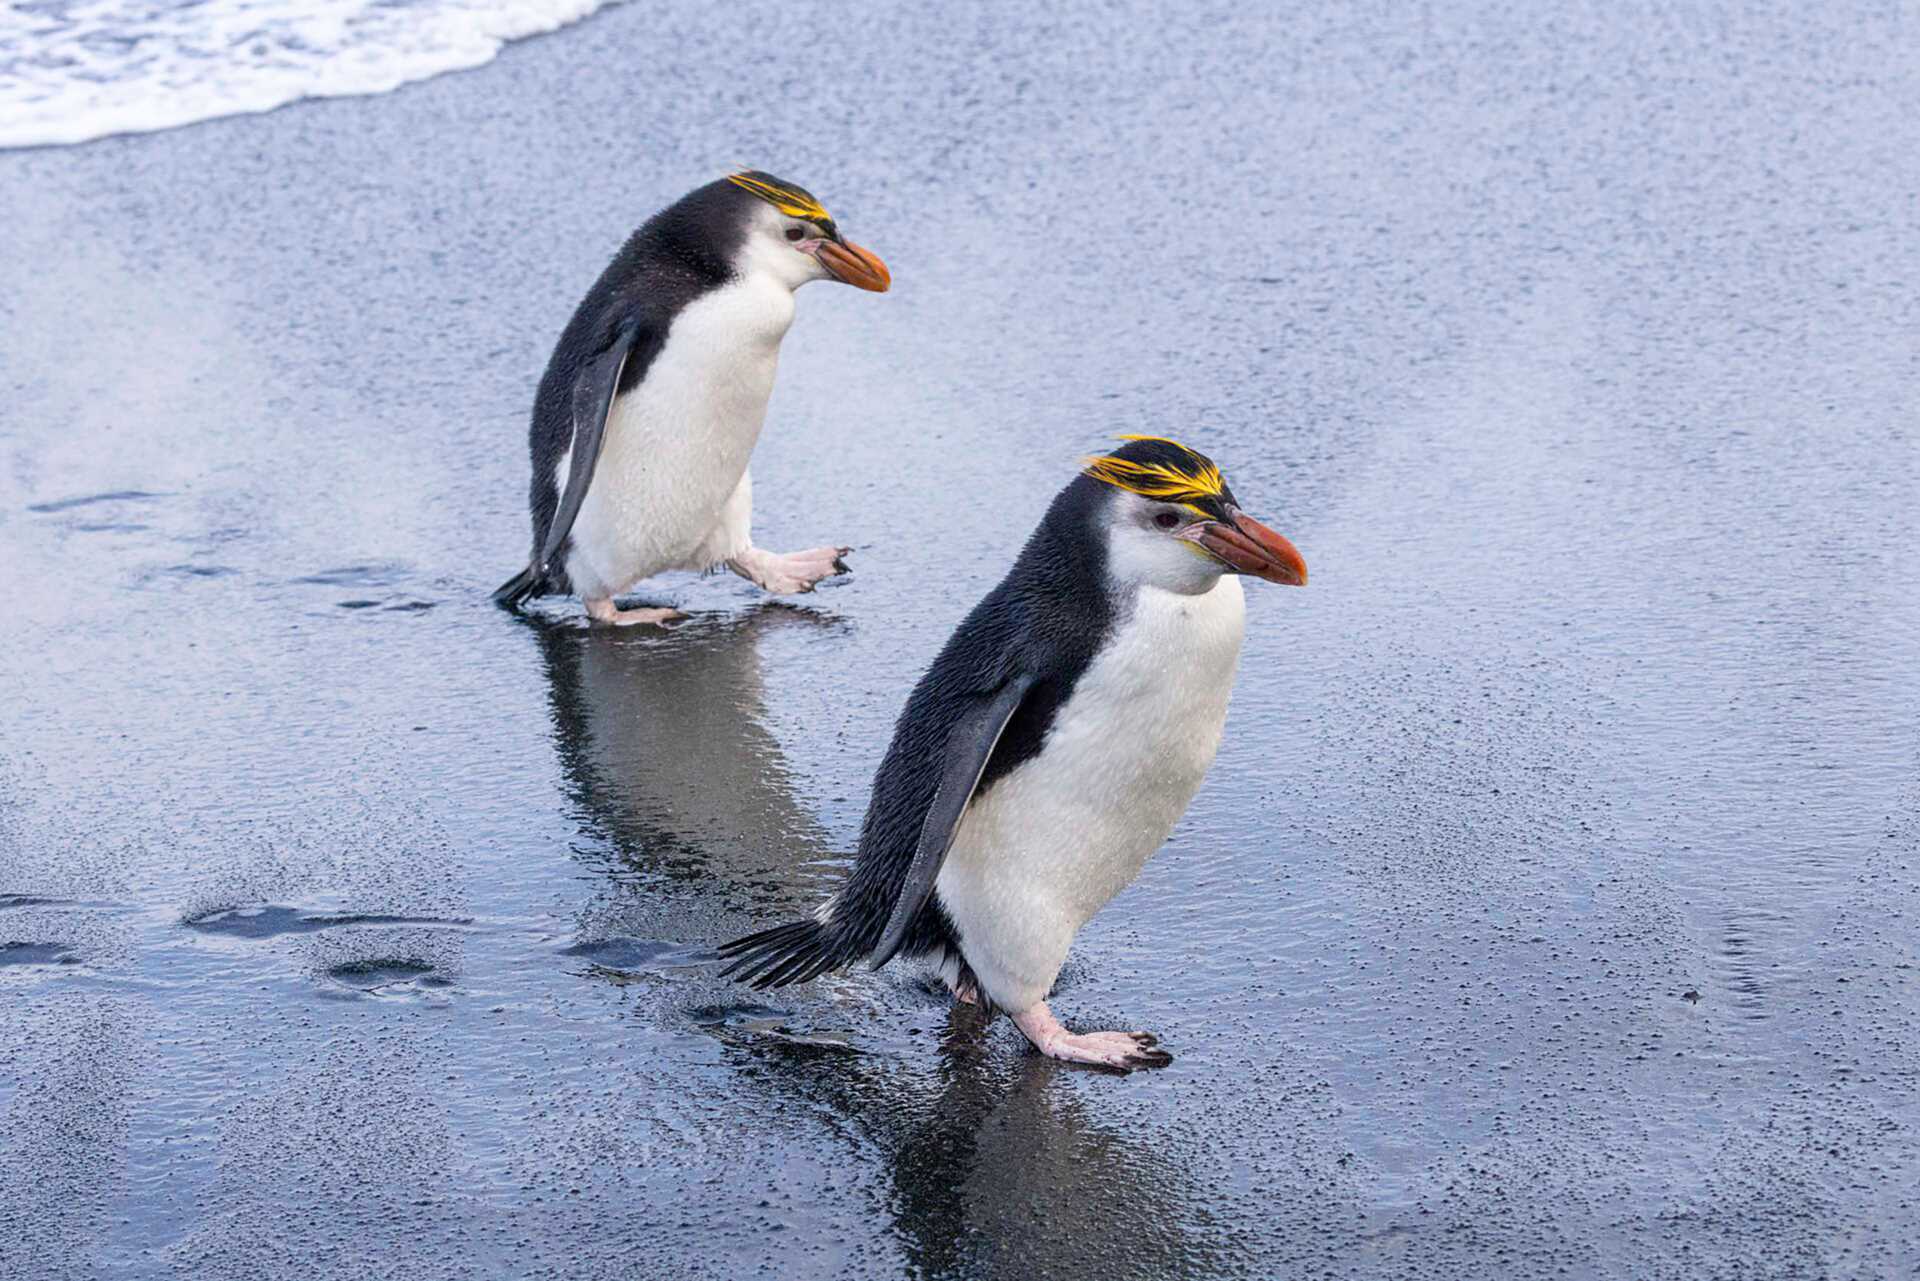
(74, 70)
(1551, 907)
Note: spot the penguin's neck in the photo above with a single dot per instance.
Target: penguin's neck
(753, 309)
(776, 262)
(687, 249)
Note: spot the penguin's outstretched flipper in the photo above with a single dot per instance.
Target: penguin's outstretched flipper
(970, 745)
(628, 352)
(804, 950)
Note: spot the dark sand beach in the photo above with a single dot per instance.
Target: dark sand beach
(1551, 909)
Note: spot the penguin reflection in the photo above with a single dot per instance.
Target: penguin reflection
(666, 751)
(997, 1171)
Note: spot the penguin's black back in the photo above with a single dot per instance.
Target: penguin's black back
(1046, 620)
(682, 252)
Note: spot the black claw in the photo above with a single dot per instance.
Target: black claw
(840, 566)
(1145, 1038)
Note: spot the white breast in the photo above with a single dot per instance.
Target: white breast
(678, 443)
(1050, 843)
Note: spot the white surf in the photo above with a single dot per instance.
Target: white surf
(85, 69)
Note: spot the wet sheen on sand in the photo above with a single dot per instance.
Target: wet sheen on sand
(1551, 908)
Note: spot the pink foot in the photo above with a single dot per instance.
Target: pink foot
(1115, 1051)
(603, 611)
(793, 572)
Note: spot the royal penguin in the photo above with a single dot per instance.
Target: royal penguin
(1051, 747)
(654, 398)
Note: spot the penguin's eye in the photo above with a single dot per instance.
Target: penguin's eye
(794, 233)
(1166, 520)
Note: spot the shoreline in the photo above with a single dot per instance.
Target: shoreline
(420, 46)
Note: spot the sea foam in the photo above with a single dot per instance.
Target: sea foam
(72, 71)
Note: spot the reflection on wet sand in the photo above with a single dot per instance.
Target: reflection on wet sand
(666, 749)
(997, 1167)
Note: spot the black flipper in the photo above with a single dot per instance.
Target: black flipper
(804, 950)
(970, 745)
(593, 392)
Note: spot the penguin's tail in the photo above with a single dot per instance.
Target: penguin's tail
(526, 583)
(794, 953)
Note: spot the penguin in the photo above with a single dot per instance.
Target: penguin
(654, 398)
(1051, 747)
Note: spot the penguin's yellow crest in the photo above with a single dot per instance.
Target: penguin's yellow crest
(1155, 467)
(794, 202)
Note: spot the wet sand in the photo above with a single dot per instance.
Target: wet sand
(1551, 907)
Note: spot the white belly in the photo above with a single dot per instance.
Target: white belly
(678, 443)
(1053, 841)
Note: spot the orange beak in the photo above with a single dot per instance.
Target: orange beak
(858, 267)
(1249, 547)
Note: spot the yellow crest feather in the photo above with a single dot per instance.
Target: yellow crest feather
(1190, 476)
(791, 201)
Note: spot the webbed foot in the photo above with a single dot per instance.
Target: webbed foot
(1120, 1052)
(790, 572)
(604, 611)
